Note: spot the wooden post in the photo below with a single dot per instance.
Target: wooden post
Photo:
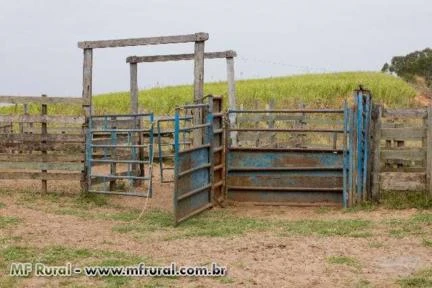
(428, 150)
(198, 89)
(44, 132)
(231, 96)
(87, 106)
(134, 88)
(376, 150)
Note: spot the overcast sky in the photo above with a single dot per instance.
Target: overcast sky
(39, 53)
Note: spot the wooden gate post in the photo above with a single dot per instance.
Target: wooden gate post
(44, 132)
(231, 94)
(87, 106)
(376, 150)
(428, 149)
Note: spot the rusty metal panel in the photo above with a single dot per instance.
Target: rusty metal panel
(193, 172)
(285, 175)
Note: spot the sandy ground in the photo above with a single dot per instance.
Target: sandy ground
(255, 259)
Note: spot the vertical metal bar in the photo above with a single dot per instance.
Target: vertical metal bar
(360, 154)
(176, 163)
(351, 151)
(88, 153)
(44, 111)
(150, 157)
(345, 159)
(113, 166)
(210, 141)
(366, 145)
(160, 151)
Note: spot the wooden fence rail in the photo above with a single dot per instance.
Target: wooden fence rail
(403, 150)
(41, 147)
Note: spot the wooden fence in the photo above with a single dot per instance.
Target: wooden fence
(402, 157)
(38, 146)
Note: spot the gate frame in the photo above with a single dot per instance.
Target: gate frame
(88, 46)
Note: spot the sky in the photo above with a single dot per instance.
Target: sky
(39, 53)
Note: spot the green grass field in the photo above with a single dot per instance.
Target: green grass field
(314, 90)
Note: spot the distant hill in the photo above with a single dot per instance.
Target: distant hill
(313, 90)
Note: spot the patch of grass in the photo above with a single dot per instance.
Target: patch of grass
(404, 200)
(363, 284)
(415, 225)
(427, 242)
(90, 199)
(2, 205)
(364, 206)
(348, 228)
(6, 221)
(317, 90)
(323, 210)
(375, 244)
(421, 279)
(210, 224)
(344, 260)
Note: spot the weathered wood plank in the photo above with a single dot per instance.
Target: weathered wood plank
(43, 166)
(37, 157)
(403, 155)
(403, 133)
(428, 148)
(400, 181)
(40, 100)
(42, 118)
(179, 57)
(133, 88)
(408, 113)
(40, 176)
(144, 41)
(65, 138)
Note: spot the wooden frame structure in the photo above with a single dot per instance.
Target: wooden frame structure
(88, 46)
(229, 55)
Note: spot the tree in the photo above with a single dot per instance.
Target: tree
(415, 64)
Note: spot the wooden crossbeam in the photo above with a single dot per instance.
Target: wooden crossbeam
(179, 57)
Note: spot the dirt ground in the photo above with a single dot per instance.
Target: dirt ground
(262, 257)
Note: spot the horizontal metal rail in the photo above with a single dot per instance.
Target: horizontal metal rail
(312, 150)
(318, 111)
(285, 189)
(119, 130)
(143, 194)
(193, 192)
(122, 115)
(187, 172)
(194, 148)
(286, 130)
(121, 177)
(118, 146)
(190, 106)
(285, 169)
(119, 161)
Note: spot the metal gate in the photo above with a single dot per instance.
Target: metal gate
(193, 173)
(298, 156)
(362, 140)
(119, 154)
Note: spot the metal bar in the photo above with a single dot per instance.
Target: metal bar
(285, 189)
(320, 111)
(121, 177)
(286, 130)
(118, 161)
(194, 148)
(186, 172)
(193, 192)
(257, 149)
(120, 193)
(122, 115)
(285, 169)
(119, 130)
(117, 146)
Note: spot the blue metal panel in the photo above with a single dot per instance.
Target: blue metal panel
(120, 143)
(193, 168)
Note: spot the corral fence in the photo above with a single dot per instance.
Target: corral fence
(39, 145)
(403, 150)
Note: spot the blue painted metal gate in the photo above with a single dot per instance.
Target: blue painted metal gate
(193, 172)
(265, 167)
(119, 154)
(361, 140)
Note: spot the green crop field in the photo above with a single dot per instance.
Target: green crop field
(312, 90)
